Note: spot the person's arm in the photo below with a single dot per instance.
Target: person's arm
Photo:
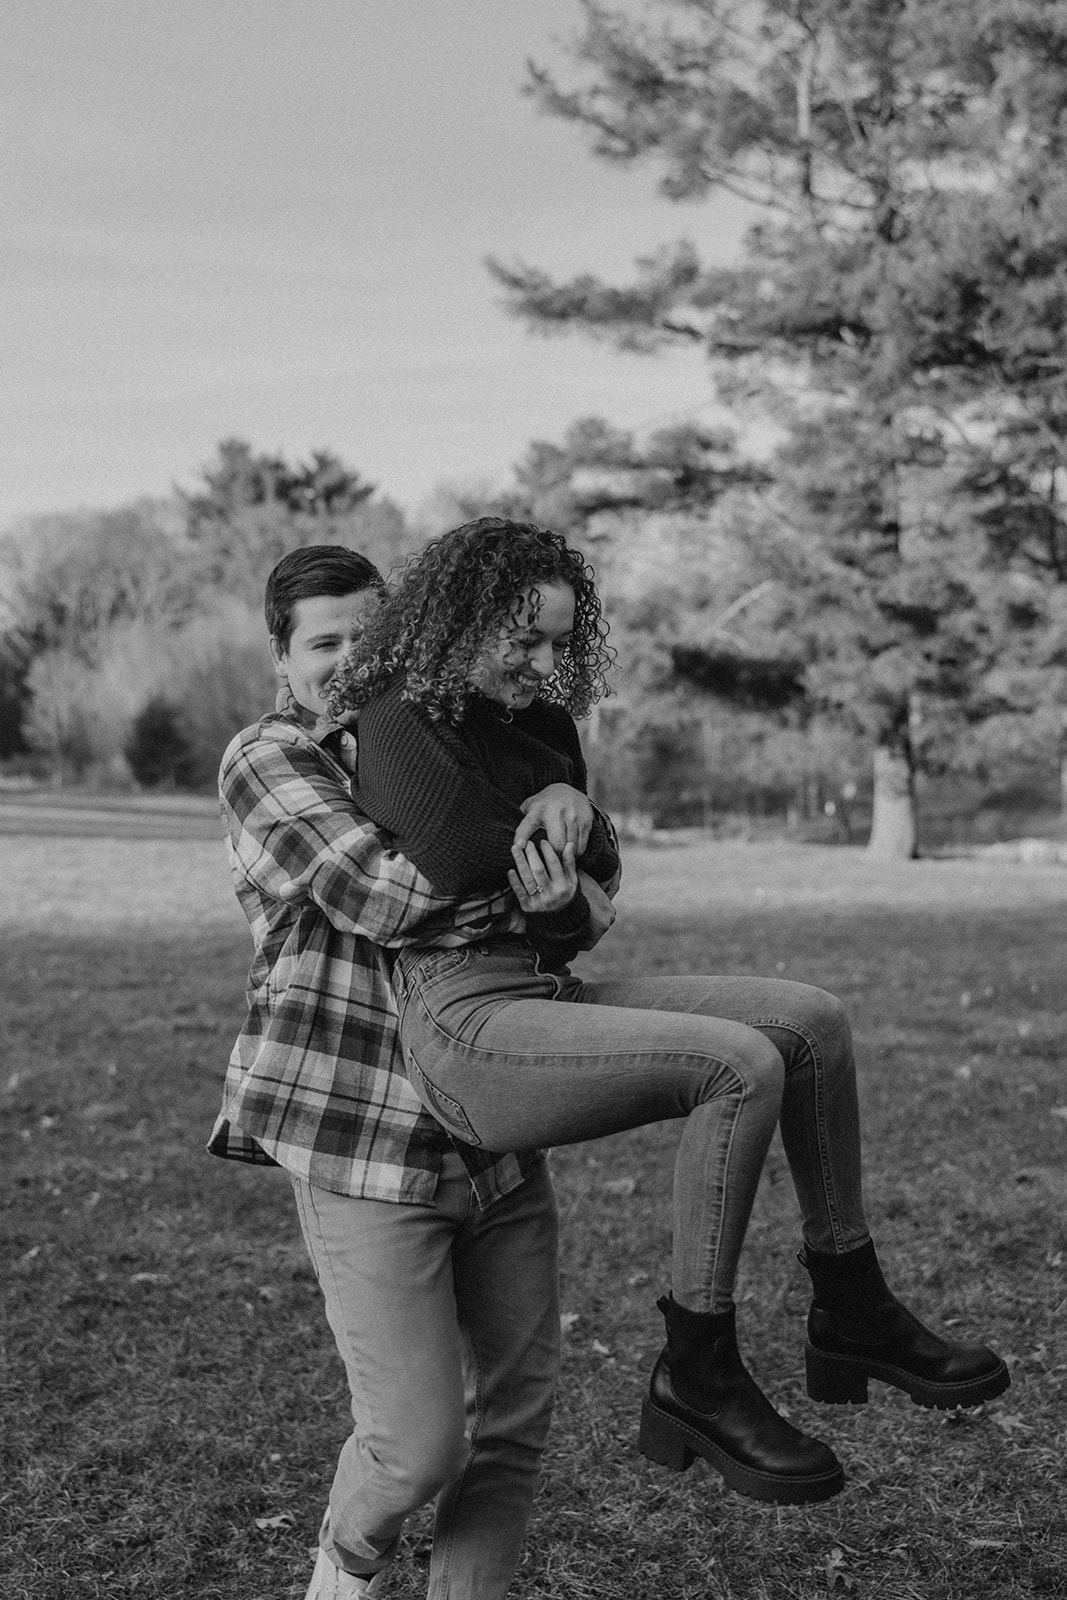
(297, 834)
(562, 935)
(601, 908)
(563, 813)
(420, 783)
(550, 893)
(604, 863)
(417, 781)
(566, 814)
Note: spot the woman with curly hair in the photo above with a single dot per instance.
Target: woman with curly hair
(466, 683)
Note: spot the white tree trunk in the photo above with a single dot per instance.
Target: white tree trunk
(893, 828)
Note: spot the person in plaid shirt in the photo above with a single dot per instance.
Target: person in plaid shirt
(437, 1261)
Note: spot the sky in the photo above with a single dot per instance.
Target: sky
(269, 219)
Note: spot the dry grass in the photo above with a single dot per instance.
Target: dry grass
(169, 1382)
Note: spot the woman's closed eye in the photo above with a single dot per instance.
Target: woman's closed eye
(528, 643)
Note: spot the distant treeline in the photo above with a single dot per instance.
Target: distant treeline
(135, 646)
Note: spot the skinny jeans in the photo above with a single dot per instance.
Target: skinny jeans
(446, 1317)
(511, 1057)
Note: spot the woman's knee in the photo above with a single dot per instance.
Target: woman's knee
(763, 1066)
(826, 1020)
(757, 1067)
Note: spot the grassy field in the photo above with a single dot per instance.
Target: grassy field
(171, 1400)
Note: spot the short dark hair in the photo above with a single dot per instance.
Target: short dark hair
(311, 570)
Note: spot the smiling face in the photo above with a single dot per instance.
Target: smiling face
(529, 648)
(324, 628)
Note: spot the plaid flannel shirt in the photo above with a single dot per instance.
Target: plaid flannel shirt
(316, 1081)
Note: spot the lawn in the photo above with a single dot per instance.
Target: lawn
(172, 1402)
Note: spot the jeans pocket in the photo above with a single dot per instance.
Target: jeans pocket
(430, 966)
(448, 1112)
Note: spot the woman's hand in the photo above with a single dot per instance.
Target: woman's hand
(541, 879)
(601, 911)
(565, 814)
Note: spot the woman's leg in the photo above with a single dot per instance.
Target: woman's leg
(857, 1329)
(518, 1072)
(505, 1067)
(819, 1117)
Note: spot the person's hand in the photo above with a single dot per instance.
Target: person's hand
(565, 814)
(541, 880)
(601, 911)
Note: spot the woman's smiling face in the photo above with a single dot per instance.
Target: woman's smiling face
(529, 648)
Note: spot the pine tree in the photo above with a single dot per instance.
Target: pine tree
(250, 509)
(882, 290)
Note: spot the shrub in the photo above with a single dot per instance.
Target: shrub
(158, 750)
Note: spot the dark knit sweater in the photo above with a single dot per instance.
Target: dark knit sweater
(450, 796)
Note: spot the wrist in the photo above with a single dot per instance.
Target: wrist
(566, 920)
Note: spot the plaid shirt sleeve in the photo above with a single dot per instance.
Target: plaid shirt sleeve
(316, 1081)
(296, 834)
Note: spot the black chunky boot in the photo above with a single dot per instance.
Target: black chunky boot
(703, 1402)
(858, 1329)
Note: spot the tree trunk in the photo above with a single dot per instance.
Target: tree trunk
(893, 829)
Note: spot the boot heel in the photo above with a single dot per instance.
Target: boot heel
(834, 1380)
(660, 1442)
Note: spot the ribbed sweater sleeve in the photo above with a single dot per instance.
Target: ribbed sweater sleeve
(600, 857)
(417, 779)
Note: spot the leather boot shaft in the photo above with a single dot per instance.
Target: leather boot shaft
(704, 1402)
(858, 1329)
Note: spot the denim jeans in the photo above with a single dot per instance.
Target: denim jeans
(510, 1057)
(447, 1321)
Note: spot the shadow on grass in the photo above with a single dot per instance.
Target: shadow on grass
(172, 1402)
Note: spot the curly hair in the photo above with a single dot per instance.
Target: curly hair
(448, 603)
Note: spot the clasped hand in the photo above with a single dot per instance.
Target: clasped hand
(563, 813)
(545, 875)
(541, 880)
(544, 881)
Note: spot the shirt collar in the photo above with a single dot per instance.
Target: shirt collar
(319, 725)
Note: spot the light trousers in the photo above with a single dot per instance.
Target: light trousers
(447, 1321)
(513, 1058)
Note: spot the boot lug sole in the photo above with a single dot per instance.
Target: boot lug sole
(671, 1443)
(842, 1380)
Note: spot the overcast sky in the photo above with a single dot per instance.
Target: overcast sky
(269, 218)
